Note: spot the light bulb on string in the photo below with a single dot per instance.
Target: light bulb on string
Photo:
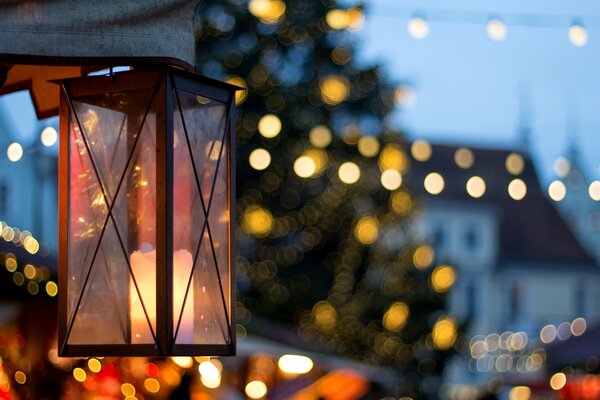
(418, 27)
(496, 29)
(578, 34)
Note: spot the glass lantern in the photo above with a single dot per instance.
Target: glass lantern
(145, 208)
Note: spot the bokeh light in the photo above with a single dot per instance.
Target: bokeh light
(423, 256)
(14, 152)
(578, 35)
(396, 316)
(183, 361)
(418, 28)
(80, 375)
(434, 183)
(240, 95)
(368, 146)
(476, 187)
(517, 189)
(557, 190)
(334, 89)
(366, 230)
(442, 278)
(269, 126)
(496, 29)
(49, 136)
(259, 159)
(561, 167)
(519, 393)
(558, 381)
(256, 389)
(268, 11)
(578, 326)
(320, 136)
(594, 190)
(349, 172)
(391, 179)
(514, 163)
(295, 364)
(257, 221)
(304, 167)
(420, 150)
(464, 158)
(548, 334)
(444, 333)
(325, 315)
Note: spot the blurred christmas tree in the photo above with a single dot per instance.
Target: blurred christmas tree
(322, 213)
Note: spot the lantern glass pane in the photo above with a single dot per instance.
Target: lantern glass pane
(200, 272)
(112, 268)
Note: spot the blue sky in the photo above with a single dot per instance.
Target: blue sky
(467, 86)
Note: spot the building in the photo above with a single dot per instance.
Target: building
(28, 182)
(520, 269)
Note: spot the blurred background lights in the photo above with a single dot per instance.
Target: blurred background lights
(391, 179)
(423, 257)
(49, 136)
(183, 362)
(594, 190)
(94, 365)
(209, 370)
(256, 389)
(405, 97)
(295, 364)
(259, 159)
(396, 316)
(366, 230)
(578, 35)
(444, 333)
(442, 278)
(476, 187)
(496, 29)
(334, 89)
(563, 331)
(519, 393)
(320, 136)
(353, 19)
(418, 27)
(51, 288)
(151, 385)
(434, 183)
(558, 381)
(240, 95)
(304, 167)
(393, 157)
(517, 189)
(548, 334)
(420, 150)
(14, 152)
(325, 315)
(561, 167)
(349, 172)
(258, 222)
(578, 326)
(514, 163)
(268, 11)
(557, 190)
(368, 146)
(269, 126)
(80, 375)
(464, 158)
(20, 377)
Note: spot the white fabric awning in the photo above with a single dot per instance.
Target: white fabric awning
(89, 33)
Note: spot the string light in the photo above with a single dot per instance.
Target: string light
(418, 28)
(578, 35)
(496, 29)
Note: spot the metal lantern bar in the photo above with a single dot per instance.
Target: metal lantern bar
(145, 205)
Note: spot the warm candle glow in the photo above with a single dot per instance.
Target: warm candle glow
(143, 265)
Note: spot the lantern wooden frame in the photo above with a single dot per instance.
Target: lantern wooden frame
(167, 85)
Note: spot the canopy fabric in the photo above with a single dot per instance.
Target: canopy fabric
(36, 34)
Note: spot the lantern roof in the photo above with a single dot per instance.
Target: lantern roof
(40, 41)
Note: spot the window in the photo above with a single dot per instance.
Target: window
(472, 239)
(3, 198)
(580, 306)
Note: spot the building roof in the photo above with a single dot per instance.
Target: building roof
(531, 229)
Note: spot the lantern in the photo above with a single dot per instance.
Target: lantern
(145, 206)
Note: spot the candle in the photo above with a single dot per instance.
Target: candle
(143, 265)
